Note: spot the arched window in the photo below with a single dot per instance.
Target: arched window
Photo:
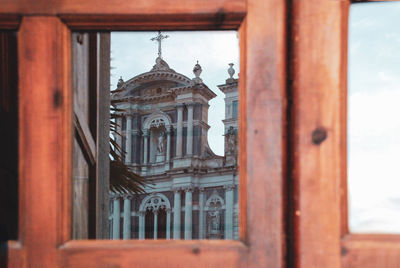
(156, 217)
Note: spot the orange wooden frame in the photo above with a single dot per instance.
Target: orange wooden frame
(318, 147)
(46, 131)
(292, 85)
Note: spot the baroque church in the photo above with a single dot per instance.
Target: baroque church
(192, 192)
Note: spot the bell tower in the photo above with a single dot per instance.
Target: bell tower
(230, 89)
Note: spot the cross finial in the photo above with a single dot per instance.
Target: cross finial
(159, 38)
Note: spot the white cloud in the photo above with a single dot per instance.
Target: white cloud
(374, 154)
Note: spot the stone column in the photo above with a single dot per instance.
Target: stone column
(119, 132)
(177, 214)
(155, 223)
(189, 134)
(188, 213)
(142, 215)
(168, 236)
(128, 143)
(168, 154)
(145, 146)
(179, 130)
(116, 217)
(229, 211)
(126, 231)
(152, 152)
(201, 213)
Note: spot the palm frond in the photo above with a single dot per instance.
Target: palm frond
(122, 177)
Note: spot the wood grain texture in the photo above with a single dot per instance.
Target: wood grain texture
(83, 130)
(15, 256)
(242, 135)
(318, 45)
(147, 253)
(344, 228)
(103, 53)
(9, 21)
(262, 121)
(370, 251)
(264, 72)
(45, 138)
(219, 20)
(119, 14)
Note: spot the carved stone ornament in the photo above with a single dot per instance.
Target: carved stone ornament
(231, 140)
(214, 223)
(214, 206)
(161, 65)
(120, 82)
(160, 145)
(214, 201)
(158, 122)
(155, 203)
(197, 71)
(231, 71)
(188, 189)
(229, 187)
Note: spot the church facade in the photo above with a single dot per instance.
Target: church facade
(192, 192)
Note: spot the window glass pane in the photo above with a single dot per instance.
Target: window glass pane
(234, 109)
(173, 169)
(373, 118)
(8, 136)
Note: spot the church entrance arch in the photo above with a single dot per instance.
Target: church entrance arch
(155, 221)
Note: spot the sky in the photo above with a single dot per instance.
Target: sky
(133, 53)
(374, 118)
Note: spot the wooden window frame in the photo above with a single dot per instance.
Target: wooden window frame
(318, 145)
(44, 32)
(293, 81)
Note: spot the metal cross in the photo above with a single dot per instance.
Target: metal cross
(159, 38)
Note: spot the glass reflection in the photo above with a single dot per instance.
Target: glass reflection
(172, 135)
(183, 190)
(373, 123)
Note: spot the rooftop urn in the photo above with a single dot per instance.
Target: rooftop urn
(197, 71)
(231, 71)
(120, 82)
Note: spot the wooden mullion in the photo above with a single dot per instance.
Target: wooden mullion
(103, 56)
(344, 228)
(263, 117)
(44, 138)
(318, 81)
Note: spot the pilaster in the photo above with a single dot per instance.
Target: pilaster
(179, 130)
(177, 214)
(188, 213)
(229, 211)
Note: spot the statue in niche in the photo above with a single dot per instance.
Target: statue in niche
(231, 140)
(214, 223)
(160, 145)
